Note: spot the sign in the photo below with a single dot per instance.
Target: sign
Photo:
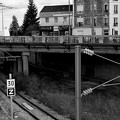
(10, 87)
(10, 83)
(10, 91)
(44, 28)
(64, 27)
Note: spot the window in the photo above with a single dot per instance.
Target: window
(115, 32)
(56, 19)
(106, 7)
(47, 19)
(95, 21)
(80, 8)
(106, 32)
(106, 21)
(80, 21)
(80, 24)
(64, 19)
(115, 9)
(95, 7)
(115, 21)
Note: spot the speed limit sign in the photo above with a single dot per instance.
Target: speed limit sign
(10, 83)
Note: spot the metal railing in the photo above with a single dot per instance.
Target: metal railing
(97, 39)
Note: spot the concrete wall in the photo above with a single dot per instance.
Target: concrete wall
(92, 66)
(100, 68)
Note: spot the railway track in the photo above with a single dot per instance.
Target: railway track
(3, 115)
(37, 112)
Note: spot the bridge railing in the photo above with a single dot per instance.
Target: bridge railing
(101, 39)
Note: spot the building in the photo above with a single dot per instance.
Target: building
(91, 17)
(114, 17)
(2, 33)
(56, 20)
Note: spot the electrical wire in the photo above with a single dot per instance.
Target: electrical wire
(85, 92)
(105, 83)
(107, 59)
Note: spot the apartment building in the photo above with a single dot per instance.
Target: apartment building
(91, 18)
(114, 20)
(56, 20)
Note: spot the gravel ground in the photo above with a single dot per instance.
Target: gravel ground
(19, 114)
(2, 116)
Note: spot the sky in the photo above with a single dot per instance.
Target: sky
(19, 8)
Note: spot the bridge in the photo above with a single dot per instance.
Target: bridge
(23, 46)
(100, 44)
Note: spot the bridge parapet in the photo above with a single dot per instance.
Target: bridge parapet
(99, 39)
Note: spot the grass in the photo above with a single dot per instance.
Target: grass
(101, 107)
(96, 106)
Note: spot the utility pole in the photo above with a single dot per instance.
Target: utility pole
(2, 9)
(73, 17)
(69, 16)
(1, 5)
(93, 20)
(78, 82)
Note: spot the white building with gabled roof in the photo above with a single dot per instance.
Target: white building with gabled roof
(54, 20)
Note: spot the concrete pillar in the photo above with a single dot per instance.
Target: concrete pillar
(25, 63)
(20, 65)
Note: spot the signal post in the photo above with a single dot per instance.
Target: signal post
(11, 91)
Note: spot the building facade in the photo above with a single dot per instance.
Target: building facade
(114, 17)
(56, 20)
(91, 17)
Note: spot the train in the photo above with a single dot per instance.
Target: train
(60, 39)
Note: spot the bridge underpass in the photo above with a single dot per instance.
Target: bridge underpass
(92, 66)
(35, 53)
(18, 64)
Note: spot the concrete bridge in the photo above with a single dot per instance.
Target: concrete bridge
(23, 46)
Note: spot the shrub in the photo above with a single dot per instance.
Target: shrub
(60, 102)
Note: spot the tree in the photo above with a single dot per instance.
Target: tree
(14, 27)
(30, 19)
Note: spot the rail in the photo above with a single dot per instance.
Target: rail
(99, 39)
(52, 115)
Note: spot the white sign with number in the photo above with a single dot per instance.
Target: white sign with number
(10, 83)
(10, 91)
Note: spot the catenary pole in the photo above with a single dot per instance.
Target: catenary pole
(78, 82)
(93, 19)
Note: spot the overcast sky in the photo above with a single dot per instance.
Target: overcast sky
(19, 9)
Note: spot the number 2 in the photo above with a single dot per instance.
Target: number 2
(11, 92)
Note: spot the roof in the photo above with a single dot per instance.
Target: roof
(57, 8)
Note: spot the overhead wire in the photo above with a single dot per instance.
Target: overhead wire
(89, 90)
